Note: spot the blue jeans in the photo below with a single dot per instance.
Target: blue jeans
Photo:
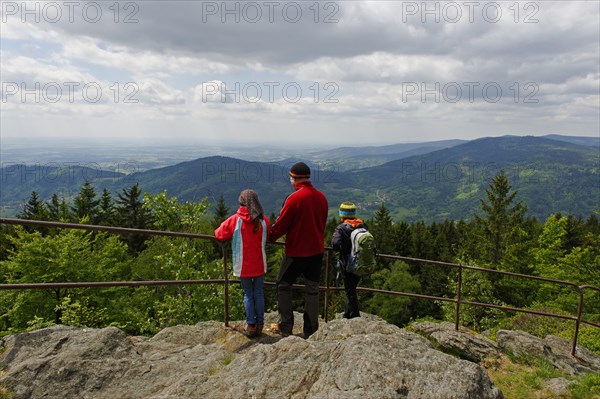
(254, 299)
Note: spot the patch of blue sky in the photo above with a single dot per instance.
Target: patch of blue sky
(110, 73)
(29, 48)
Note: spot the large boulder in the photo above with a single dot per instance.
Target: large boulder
(556, 350)
(462, 342)
(357, 358)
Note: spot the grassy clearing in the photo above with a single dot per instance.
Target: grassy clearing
(524, 377)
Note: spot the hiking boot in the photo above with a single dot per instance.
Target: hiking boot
(259, 328)
(250, 331)
(276, 330)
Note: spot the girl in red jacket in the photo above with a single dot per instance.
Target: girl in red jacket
(248, 228)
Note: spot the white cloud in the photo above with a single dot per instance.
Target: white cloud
(154, 92)
(382, 67)
(18, 68)
(90, 50)
(181, 70)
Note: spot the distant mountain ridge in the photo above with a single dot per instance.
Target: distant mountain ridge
(345, 159)
(551, 176)
(343, 152)
(17, 181)
(212, 176)
(579, 140)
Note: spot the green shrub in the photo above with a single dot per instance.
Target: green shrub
(542, 326)
(588, 337)
(586, 387)
(539, 326)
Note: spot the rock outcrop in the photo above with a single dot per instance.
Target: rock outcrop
(359, 358)
(466, 345)
(556, 350)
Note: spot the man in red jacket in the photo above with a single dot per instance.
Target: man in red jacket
(302, 220)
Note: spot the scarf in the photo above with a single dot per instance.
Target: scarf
(249, 199)
(353, 222)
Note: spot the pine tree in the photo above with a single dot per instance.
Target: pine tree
(504, 242)
(467, 250)
(432, 278)
(576, 232)
(131, 213)
(422, 241)
(53, 208)
(108, 213)
(445, 241)
(221, 212)
(501, 219)
(85, 204)
(402, 239)
(34, 208)
(381, 228)
(592, 224)
(131, 210)
(58, 211)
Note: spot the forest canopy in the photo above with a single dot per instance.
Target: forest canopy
(500, 236)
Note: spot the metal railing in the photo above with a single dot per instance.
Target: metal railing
(225, 281)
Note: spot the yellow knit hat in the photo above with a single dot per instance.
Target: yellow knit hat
(347, 210)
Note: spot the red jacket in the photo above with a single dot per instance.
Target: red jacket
(302, 219)
(248, 247)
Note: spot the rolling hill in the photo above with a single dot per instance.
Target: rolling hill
(17, 181)
(212, 177)
(346, 159)
(550, 175)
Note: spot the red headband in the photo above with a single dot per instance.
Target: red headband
(294, 175)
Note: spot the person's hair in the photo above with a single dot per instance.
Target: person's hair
(256, 222)
(249, 199)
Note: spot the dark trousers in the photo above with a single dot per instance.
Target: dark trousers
(291, 268)
(350, 283)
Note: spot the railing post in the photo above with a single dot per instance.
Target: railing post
(458, 297)
(226, 286)
(326, 317)
(579, 309)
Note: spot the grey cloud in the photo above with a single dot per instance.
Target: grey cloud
(371, 46)
(545, 50)
(352, 29)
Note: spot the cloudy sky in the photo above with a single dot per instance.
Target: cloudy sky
(303, 72)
